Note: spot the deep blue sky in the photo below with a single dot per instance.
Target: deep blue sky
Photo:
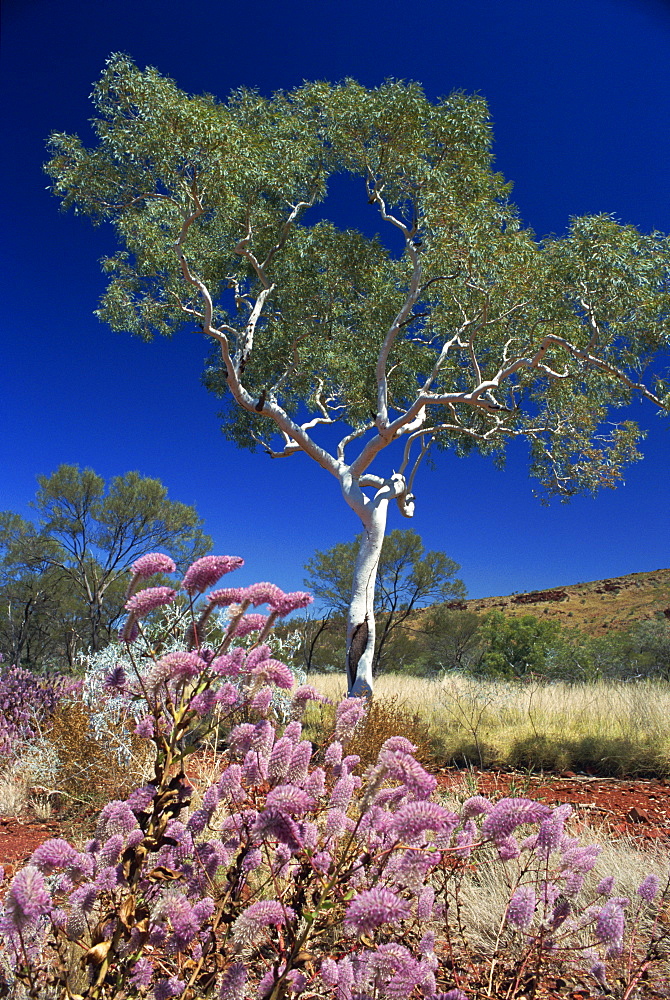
(579, 92)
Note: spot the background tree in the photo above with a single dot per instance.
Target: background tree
(39, 614)
(515, 646)
(408, 578)
(66, 577)
(448, 639)
(461, 331)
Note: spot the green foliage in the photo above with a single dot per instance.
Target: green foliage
(473, 334)
(515, 647)
(447, 639)
(408, 578)
(63, 580)
(642, 651)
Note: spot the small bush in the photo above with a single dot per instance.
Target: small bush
(90, 766)
(385, 717)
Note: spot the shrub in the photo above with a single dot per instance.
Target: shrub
(296, 876)
(26, 702)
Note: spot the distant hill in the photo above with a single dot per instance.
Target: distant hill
(597, 607)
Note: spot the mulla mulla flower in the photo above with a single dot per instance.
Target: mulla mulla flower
(252, 922)
(374, 907)
(145, 601)
(205, 572)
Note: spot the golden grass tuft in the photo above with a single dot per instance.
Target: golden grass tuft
(611, 728)
(89, 767)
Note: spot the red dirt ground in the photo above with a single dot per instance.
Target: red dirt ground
(638, 808)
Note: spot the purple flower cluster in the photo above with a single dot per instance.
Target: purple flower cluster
(290, 847)
(205, 572)
(26, 701)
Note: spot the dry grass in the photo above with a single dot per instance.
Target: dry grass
(613, 728)
(91, 767)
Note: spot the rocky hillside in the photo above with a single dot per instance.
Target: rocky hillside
(597, 607)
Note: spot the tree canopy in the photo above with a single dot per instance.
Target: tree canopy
(472, 334)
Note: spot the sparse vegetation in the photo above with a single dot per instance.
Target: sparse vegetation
(330, 868)
(606, 727)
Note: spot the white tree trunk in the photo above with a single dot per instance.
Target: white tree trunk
(361, 616)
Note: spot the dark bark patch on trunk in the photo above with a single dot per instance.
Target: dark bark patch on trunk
(359, 641)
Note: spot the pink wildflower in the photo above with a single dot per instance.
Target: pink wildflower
(179, 666)
(374, 907)
(521, 907)
(251, 923)
(205, 572)
(233, 982)
(508, 814)
(333, 755)
(145, 727)
(142, 972)
(348, 714)
(551, 829)
(475, 806)
(610, 924)
(226, 596)
(280, 759)
(289, 799)
(130, 630)
(145, 601)
(306, 693)
(597, 970)
(227, 695)
(262, 593)
(649, 888)
(402, 767)
(343, 790)
(261, 701)
(274, 672)
(414, 818)
(229, 664)
(250, 623)
(329, 972)
(298, 770)
(116, 679)
(152, 563)
(274, 824)
(336, 823)
(27, 898)
(398, 744)
(53, 854)
(286, 603)
(425, 904)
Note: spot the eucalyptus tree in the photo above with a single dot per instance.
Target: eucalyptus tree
(88, 533)
(460, 331)
(408, 578)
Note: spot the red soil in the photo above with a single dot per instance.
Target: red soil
(639, 808)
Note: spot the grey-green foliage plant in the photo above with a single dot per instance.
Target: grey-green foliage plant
(408, 578)
(474, 334)
(67, 574)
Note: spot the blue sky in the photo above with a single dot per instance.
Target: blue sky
(579, 92)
